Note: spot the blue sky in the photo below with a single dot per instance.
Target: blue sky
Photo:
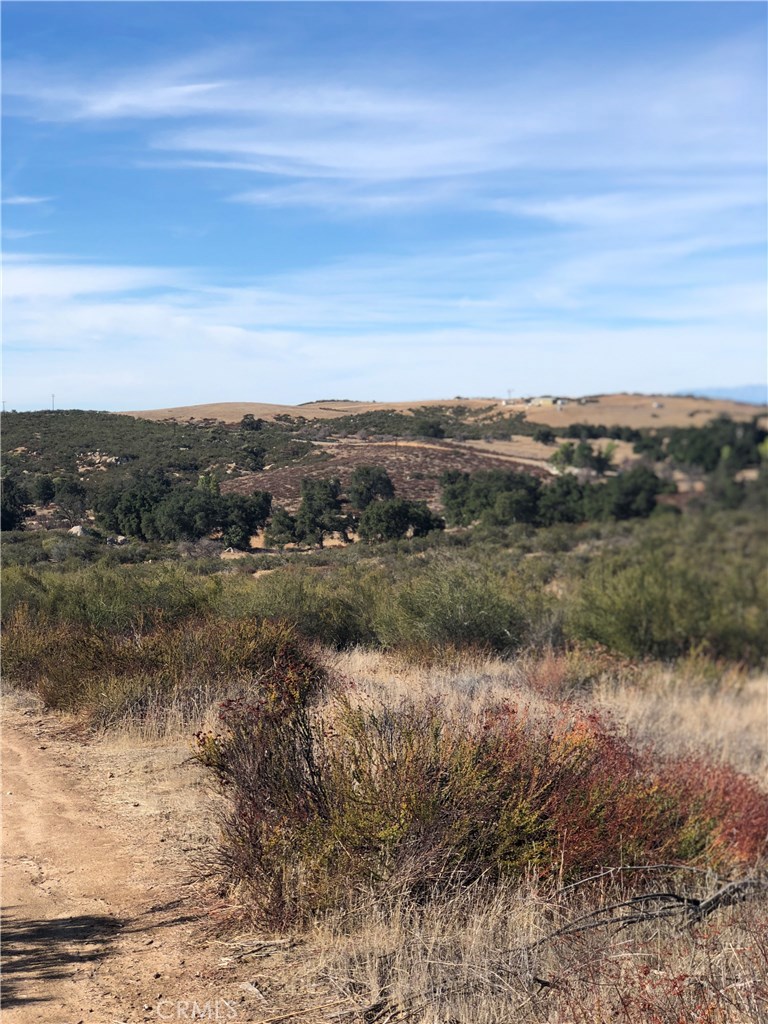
(289, 201)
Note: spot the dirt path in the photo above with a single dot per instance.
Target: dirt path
(101, 905)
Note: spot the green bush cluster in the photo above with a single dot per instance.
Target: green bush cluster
(54, 442)
(645, 588)
(116, 598)
(153, 509)
(499, 498)
(722, 442)
(44, 453)
(662, 603)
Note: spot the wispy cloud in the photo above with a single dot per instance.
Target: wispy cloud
(25, 200)
(28, 279)
(344, 198)
(468, 320)
(609, 115)
(612, 227)
(16, 234)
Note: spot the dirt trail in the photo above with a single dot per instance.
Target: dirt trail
(101, 905)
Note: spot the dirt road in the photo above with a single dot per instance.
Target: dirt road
(101, 901)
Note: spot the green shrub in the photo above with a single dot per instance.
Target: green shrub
(452, 605)
(664, 605)
(112, 598)
(332, 608)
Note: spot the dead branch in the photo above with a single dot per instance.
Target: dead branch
(664, 904)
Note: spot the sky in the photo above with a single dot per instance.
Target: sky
(282, 202)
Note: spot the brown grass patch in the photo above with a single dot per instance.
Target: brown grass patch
(609, 410)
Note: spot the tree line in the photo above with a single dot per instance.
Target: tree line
(500, 498)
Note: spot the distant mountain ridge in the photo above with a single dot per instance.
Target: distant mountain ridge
(751, 394)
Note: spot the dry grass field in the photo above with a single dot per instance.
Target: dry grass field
(233, 412)
(607, 410)
(627, 945)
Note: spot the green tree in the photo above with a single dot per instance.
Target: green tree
(281, 529)
(71, 497)
(368, 483)
(518, 506)
(422, 519)
(254, 457)
(394, 518)
(561, 501)
(650, 445)
(320, 510)
(208, 483)
(183, 514)
(244, 516)
(564, 455)
(250, 422)
(13, 504)
(385, 520)
(544, 435)
(582, 456)
(457, 487)
(423, 426)
(44, 489)
(467, 498)
(627, 496)
(122, 508)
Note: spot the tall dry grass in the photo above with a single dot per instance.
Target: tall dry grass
(485, 955)
(695, 706)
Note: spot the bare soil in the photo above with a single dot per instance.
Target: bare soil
(105, 919)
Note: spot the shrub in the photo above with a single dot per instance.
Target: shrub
(13, 504)
(664, 604)
(107, 674)
(120, 598)
(351, 795)
(450, 605)
(334, 609)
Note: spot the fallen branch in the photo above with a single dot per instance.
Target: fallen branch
(688, 908)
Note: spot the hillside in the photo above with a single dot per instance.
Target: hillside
(415, 466)
(607, 410)
(165, 479)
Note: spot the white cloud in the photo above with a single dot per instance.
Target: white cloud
(471, 321)
(25, 200)
(26, 279)
(16, 234)
(343, 198)
(644, 206)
